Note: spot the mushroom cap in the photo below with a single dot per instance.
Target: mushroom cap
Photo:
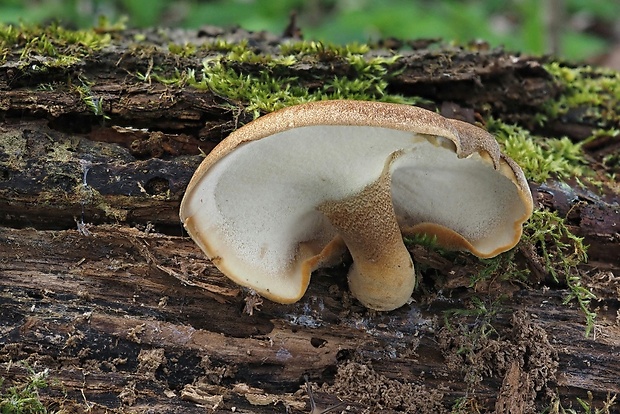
(253, 204)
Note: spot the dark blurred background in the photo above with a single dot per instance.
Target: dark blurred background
(573, 29)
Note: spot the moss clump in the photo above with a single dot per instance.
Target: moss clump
(587, 405)
(503, 267)
(540, 158)
(260, 92)
(185, 50)
(549, 245)
(422, 239)
(323, 50)
(263, 82)
(552, 247)
(23, 398)
(92, 102)
(290, 52)
(222, 45)
(241, 53)
(52, 45)
(265, 92)
(590, 95)
(560, 252)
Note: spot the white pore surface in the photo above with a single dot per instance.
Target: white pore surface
(259, 202)
(465, 195)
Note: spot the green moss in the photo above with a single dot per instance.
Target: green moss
(540, 157)
(503, 267)
(276, 87)
(87, 195)
(291, 51)
(590, 95)
(185, 50)
(611, 161)
(259, 93)
(548, 244)
(178, 79)
(23, 398)
(484, 312)
(422, 239)
(560, 252)
(588, 406)
(92, 102)
(223, 45)
(467, 405)
(553, 247)
(323, 50)
(263, 83)
(238, 55)
(51, 45)
(472, 329)
(105, 25)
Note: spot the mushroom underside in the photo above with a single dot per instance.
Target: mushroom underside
(274, 245)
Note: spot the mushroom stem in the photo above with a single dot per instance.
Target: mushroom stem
(382, 275)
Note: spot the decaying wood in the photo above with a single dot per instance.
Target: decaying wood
(100, 286)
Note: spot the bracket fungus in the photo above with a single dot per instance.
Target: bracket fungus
(292, 190)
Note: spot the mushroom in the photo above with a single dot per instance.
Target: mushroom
(292, 190)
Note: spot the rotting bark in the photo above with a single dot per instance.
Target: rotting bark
(100, 286)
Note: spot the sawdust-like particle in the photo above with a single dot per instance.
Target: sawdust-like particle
(358, 383)
(150, 360)
(521, 356)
